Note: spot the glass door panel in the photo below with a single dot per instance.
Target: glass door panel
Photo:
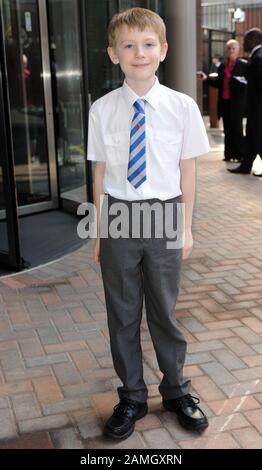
(10, 253)
(26, 99)
(66, 63)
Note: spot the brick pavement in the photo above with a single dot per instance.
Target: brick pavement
(57, 383)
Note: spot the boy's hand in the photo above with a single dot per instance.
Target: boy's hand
(188, 244)
(97, 251)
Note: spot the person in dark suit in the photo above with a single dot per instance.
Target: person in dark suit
(231, 84)
(253, 45)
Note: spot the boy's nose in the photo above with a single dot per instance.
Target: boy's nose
(140, 52)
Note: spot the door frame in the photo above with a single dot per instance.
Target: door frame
(53, 202)
(48, 103)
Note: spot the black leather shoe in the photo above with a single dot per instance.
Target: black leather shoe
(239, 169)
(190, 416)
(122, 422)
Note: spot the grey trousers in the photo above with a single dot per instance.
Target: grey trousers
(133, 269)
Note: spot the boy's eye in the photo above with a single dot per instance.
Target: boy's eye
(149, 45)
(128, 46)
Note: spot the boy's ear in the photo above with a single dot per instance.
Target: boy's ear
(112, 55)
(164, 50)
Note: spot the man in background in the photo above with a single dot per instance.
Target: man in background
(253, 45)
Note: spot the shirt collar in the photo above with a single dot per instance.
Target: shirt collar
(255, 49)
(152, 96)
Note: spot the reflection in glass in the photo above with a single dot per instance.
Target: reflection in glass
(68, 97)
(25, 82)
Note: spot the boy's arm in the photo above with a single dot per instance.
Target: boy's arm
(98, 191)
(188, 173)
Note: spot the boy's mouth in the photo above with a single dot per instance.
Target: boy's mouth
(140, 65)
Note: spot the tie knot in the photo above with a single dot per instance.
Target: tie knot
(139, 106)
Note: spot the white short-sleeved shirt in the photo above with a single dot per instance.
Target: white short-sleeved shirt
(174, 131)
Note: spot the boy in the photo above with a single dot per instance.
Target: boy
(144, 137)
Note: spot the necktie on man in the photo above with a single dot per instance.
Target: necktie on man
(136, 173)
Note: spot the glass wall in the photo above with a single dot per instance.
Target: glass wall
(26, 99)
(66, 63)
(102, 76)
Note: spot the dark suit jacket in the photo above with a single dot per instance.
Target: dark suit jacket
(237, 89)
(254, 94)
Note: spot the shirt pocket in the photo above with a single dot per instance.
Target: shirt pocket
(168, 146)
(117, 154)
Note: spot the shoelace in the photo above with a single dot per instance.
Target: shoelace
(188, 400)
(123, 407)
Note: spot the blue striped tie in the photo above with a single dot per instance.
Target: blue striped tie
(136, 173)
